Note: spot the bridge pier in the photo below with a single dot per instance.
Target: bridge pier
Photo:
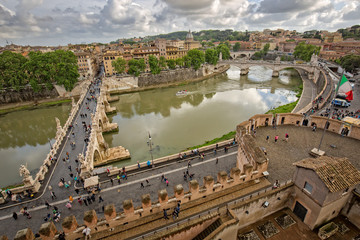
(244, 71)
(275, 73)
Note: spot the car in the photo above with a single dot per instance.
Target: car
(340, 102)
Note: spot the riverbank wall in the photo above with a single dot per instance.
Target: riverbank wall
(8, 96)
(167, 78)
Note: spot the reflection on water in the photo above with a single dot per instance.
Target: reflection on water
(24, 139)
(212, 108)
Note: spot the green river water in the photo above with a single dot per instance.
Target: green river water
(211, 108)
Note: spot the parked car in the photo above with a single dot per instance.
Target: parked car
(340, 102)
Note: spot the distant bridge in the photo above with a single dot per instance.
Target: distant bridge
(312, 68)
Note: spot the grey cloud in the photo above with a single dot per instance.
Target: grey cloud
(353, 15)
(188, 5)
(283, 6)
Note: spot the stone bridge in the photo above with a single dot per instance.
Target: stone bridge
(312, 68)
(242, 54)
(98, 152)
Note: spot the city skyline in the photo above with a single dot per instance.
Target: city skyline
(39, 22)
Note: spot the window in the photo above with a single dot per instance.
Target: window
(308, 187)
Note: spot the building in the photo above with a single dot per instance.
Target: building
(87, 65)
(287, 46)
(160, 43)
(108, 58)
(190, 43)
(322, 188)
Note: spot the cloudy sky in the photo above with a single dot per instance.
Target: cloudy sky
(55, 22)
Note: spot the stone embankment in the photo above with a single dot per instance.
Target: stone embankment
(164, 79)
(26, 94)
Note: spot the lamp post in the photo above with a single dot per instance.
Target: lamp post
(152, 158)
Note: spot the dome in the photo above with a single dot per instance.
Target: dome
(189, 36)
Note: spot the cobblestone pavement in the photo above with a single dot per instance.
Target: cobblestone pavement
(302, 139)
(128, 189)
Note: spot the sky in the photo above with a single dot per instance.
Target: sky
(55, 22)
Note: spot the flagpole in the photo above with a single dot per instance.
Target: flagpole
(331, 108)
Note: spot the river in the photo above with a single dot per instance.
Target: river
(211, 108)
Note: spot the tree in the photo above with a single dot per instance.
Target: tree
(154, 65)
(197, 58)
(162, 62)
(12, 70)
(171, 63)
(266, 48)
(136, 66)
(180, 62)
(211, 56)
(187, 61)
(350, 62)
(225, 51)
(66, 69)
(236, 47)
(305, 51)
(119, 65)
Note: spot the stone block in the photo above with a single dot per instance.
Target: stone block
(47, 231)
(69, 224)
(235, 174)
(90, 218)
(110, 212)
(146, 201)
(179, 191)
(163, 196)
(222, 177)
(128, 206)
(208, 183)
(194, 187)
(24, 234)
(248, 169)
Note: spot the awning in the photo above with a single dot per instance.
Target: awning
(92, 181)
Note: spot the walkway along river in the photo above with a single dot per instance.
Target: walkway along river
(211, 108)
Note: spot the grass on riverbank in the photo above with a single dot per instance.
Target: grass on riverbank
(224, 137)
(25, 107)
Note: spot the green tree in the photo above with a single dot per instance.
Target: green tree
(350, 62)
(211, 56)
(12, 70)
(119, 65)
(154, 65)
(305, 51)
(236, 47)
(171, 63)
(180, 62)
(197, 58)
(162, 62)
(136, 66)
(266, 48)
(187, 61)
(41, 70)
(66, 69)
(225, 51)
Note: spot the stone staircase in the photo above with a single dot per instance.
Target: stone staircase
(209, 230)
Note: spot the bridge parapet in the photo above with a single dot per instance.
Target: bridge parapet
(34, 184)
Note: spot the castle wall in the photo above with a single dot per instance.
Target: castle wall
(249, 211)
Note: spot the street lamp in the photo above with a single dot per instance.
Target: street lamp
(150, 144)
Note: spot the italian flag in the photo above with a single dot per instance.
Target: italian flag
(345, 87)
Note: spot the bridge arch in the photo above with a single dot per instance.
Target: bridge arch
(96, 156)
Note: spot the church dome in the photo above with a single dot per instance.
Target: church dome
(189, 36)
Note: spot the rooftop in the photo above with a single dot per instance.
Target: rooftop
(336, 173)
